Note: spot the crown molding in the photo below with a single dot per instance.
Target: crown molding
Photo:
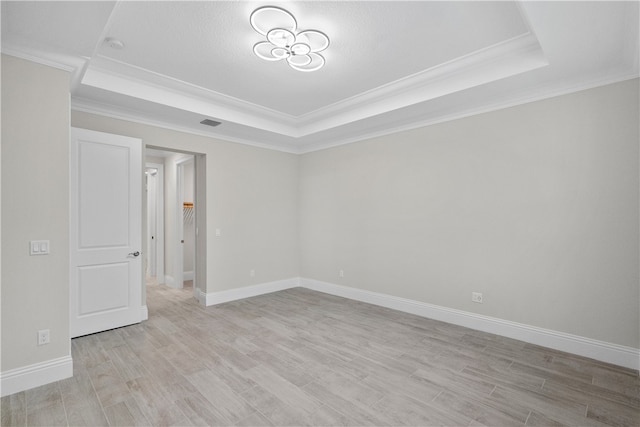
(202, 104)
(534, 95)
(115, 112)
(508, 58)
(505, 59)
(39, 57)
(350, 120)
(108, 65)
(74, 65)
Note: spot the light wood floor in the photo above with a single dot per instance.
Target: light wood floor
(299, 357)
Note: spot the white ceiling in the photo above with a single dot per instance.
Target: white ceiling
(391, 65)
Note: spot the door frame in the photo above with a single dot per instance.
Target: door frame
(200, 223)
(200, 218)
(178, 244)
(179, 264)
(160, 278)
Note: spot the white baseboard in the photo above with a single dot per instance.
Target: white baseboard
(620, 355)
(144, 313)
(168, 280)
(171, 282)
(20, 379)
(202, 297)
(628, 357)
(220, 297)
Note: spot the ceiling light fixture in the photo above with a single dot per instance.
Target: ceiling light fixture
(299, 49)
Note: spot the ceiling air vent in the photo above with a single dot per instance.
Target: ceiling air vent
(210, 122)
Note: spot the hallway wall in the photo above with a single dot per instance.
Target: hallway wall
(252, 198)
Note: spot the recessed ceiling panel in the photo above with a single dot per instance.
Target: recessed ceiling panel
(391, 65)
(210, 45)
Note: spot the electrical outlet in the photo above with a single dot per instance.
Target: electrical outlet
(252, 273)
(341, 273)
(43, 337)
(476, 297)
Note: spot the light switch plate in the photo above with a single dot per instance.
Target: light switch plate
(39, 247)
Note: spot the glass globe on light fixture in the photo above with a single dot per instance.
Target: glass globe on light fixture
(278, 26)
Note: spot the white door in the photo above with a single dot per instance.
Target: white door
(105, 231)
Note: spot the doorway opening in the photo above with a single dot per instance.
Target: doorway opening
(154, 259)
(176, 245)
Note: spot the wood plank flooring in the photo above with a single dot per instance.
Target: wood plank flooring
(299, 357)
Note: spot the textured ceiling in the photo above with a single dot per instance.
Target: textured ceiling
(391, 65)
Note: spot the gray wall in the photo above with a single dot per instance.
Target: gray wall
(535, 206)
(35, 206)
(252, 197)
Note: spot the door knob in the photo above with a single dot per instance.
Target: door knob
(136, 253)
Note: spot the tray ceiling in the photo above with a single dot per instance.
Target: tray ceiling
(390, 65)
